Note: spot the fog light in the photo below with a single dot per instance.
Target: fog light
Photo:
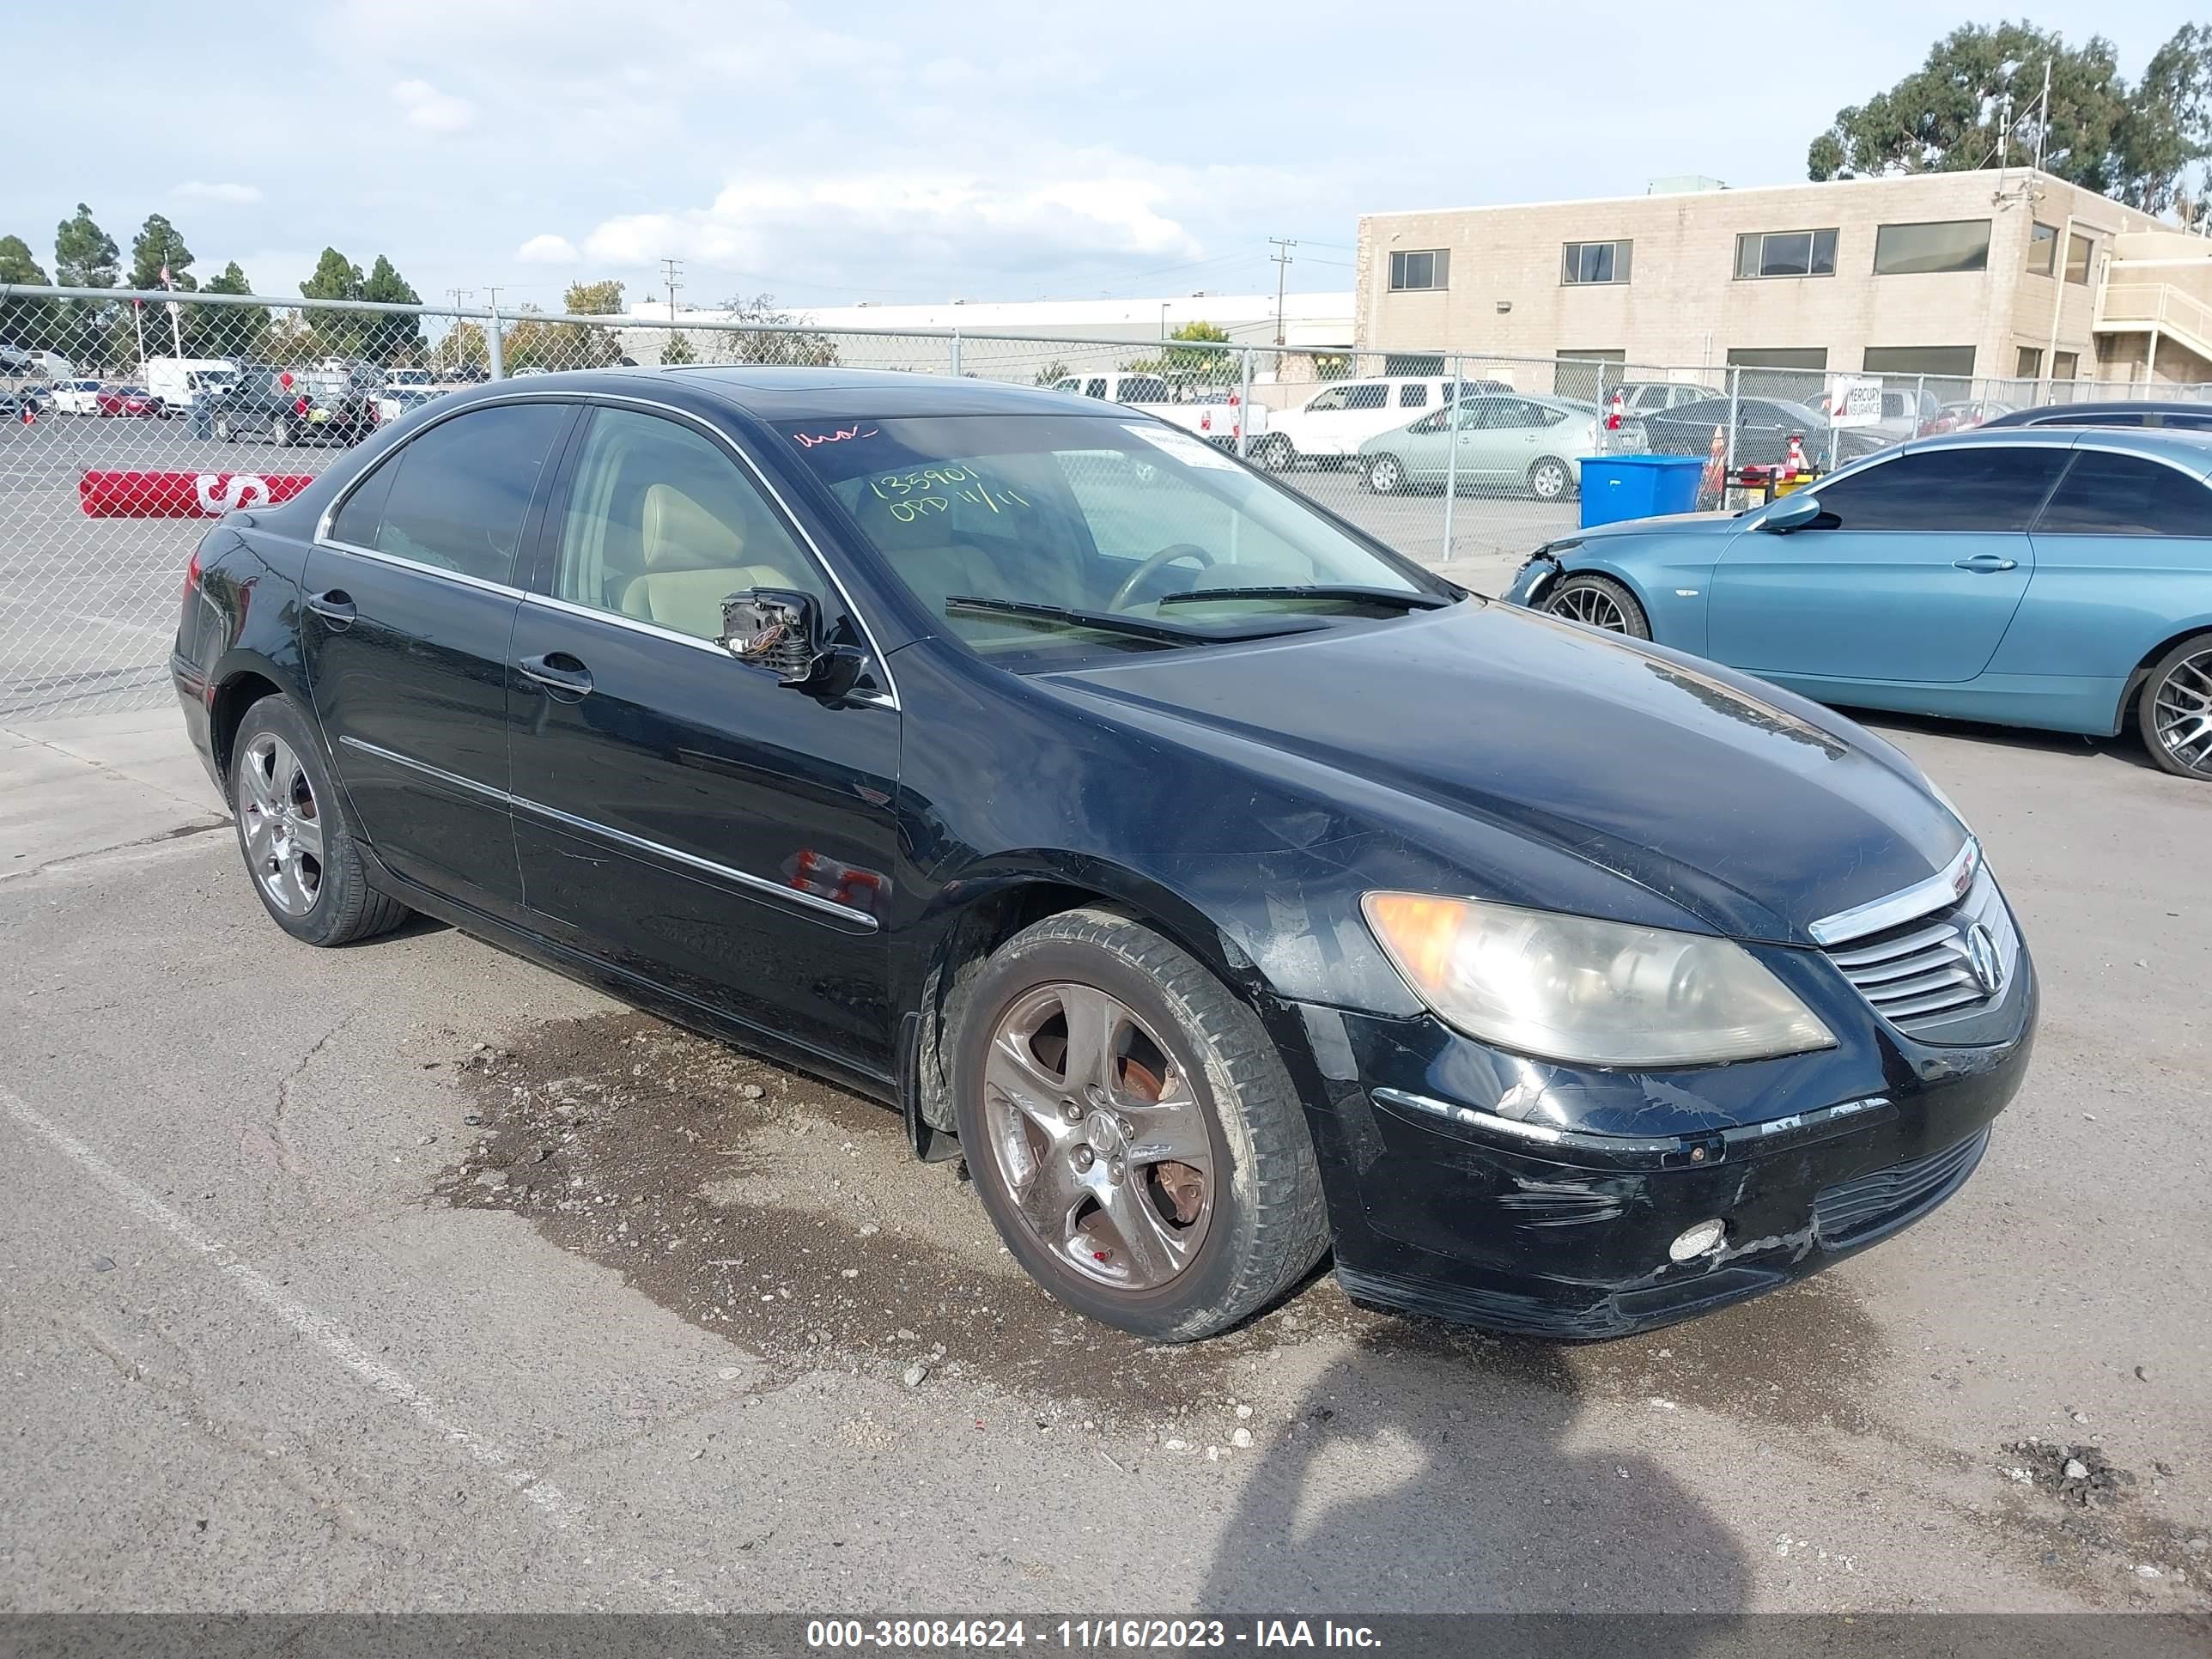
(1696, 1241)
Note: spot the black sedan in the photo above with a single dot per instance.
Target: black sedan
(1223, 887)
(1764, 427)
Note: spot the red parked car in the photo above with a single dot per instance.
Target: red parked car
(130, 400)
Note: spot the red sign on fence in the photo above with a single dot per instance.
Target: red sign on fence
(183, 495)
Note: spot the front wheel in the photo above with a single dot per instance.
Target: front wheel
(292, 829)
(1275, 453)
(1130, 1129)
(1551, 480)
(280, 433)
(1385, 476)
(2175, 709)
(222, 429)
(1601, 602)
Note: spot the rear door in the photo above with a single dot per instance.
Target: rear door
(678, 814)
(1911, 572)
(412, 598)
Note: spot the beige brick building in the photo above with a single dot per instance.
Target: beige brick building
(1992, 274)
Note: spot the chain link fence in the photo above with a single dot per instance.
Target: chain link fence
(132, 420)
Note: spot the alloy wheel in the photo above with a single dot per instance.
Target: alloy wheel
(1548, 481)
(1593, 605)
(281, 822)
(1098, 1137)
(1383, 475)
(2182, 713)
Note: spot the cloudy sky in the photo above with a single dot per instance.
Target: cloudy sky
(834, 153)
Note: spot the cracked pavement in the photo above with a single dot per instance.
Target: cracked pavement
(271, 1340)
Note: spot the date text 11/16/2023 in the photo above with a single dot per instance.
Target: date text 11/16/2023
(1166, 1635)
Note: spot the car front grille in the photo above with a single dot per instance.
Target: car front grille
(1920, 972)
(1850, 1210)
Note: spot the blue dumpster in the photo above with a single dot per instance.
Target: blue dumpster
(1617, 487)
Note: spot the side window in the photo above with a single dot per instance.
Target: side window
(2109, 494)
(1412, 397)
(1980, 489)
(459, 493)
(1479, 414)
(1094, 386)
(662, 525)
(1367, 396)
(1323, 403)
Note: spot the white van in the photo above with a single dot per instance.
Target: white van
(179, 381)
(1337, 419)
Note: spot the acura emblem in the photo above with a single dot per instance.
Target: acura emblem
(1982, 957)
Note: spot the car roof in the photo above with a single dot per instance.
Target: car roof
(2191, 451)
(2086, 413)
(775, 394)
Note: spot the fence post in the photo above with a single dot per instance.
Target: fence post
(1735, 395)
(1920, 403)
(492, 349)
(1451, 449)
(955, 353)
(1244, 406)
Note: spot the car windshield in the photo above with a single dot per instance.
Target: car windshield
(1084, 534)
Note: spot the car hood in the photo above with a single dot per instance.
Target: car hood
(1750, 810)
(1697, 523)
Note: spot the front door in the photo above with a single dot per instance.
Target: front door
(680, 814)
(410, 602)
(1911, 572)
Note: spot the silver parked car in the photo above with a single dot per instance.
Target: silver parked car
(1511, 442)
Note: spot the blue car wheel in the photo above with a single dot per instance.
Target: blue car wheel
(1601, 602)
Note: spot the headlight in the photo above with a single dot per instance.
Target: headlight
(1597, 993)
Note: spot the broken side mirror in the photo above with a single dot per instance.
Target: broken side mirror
(781, 629)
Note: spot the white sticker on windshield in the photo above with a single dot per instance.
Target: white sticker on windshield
(1192, 452)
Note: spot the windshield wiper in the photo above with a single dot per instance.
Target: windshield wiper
(1410, 600)
(1142, 628)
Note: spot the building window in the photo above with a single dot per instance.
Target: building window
(2065, 365)
(1430, 268)
(1596, 262)
(1414, 362)
(2030, 365)
(1957, 361)
(2078, 249)
(2042, 248)
(1786, 253)
(1796, 374)
(1937, 245)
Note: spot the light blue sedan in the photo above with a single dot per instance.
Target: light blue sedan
(2051, 577)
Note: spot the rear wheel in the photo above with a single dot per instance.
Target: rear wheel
(222, 429)
(293, 832)
(1385, 476)
(2175, 709)
(1131, 1130)
(1601, 602)
(280, 431)
(1551, 480)
(1275, 453)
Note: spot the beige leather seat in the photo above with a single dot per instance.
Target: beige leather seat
(694, 560)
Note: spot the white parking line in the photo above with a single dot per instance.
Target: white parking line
(545, 1500)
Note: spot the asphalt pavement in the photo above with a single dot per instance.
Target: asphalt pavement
(412, 1276)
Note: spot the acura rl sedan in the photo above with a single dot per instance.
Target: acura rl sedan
(1222, 888)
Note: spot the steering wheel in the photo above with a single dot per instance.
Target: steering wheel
(1166, 556)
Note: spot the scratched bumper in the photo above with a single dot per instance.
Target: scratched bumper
(1556, 1221)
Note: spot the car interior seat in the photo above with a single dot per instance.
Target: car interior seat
(693, 560)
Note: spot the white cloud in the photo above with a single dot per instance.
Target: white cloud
(887, 220)
(547, 250)
(199, 189)
(422, 106)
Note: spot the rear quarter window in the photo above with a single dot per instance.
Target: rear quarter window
(2106, 493)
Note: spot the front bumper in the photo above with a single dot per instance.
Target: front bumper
(1450, 1196)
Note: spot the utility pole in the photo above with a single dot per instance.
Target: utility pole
(2042, 124)
(1283, 263)
(459, 296)
(669, 268)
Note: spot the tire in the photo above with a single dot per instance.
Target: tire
(294, 835)
(1192, 1070)
(280, 432)
(1384, 475)
(1600, 602)
(1551, 480)
(222, 429)
(2174, 710)
(1276, 453)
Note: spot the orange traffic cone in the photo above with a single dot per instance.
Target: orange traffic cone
(1796, 465)
(1715, 477)
(1612, 415)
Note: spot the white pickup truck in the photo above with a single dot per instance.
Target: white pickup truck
(1216, 414)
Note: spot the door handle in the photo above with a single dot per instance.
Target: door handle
(335, 607)
(1986, 563)
(558, 672)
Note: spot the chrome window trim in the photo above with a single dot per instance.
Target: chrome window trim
(1938, 892)
(507, 589)
(586, 399)
(740, 877)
